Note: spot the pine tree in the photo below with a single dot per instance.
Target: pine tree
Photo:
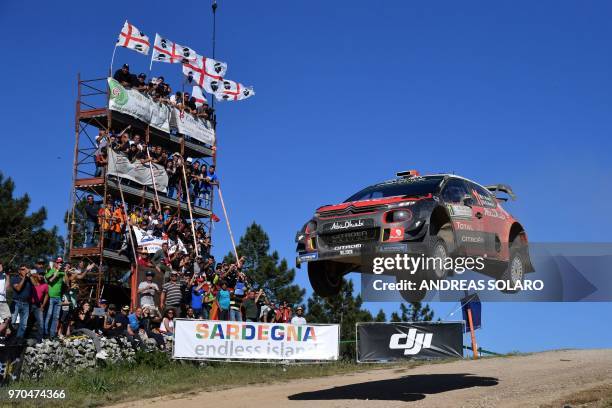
(266, 270)
(381, 316)
(416, 312)
(24, 237)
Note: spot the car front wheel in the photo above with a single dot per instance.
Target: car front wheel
(325, 278)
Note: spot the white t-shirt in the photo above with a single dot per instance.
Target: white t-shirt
(146, 297)
(162, 326)
(3, 287)
(298, 320)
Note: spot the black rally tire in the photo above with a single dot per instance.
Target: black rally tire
(516, 267)
(439, 245)
(438, 248)
(325, 278)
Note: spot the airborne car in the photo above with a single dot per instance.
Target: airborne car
(438, 215)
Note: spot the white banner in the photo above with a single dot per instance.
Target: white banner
(120, 166)
(146, 242)
(196, 128)
(205, 339)
(138, 105)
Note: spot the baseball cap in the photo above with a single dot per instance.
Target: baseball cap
(299, 308)
(59, 259)
(103, 301)
(126, 66)
(150, 273)
(125, 308)
(40, 261)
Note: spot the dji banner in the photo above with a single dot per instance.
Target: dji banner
(406, 340)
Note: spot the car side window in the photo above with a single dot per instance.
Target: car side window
(454, 191)
(482, 196)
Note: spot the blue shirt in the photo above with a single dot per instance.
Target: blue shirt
(196, 297)
(207, 184)
(223, 296)
(26, 290)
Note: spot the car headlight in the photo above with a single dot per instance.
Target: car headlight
(398, 215)
(311, 227)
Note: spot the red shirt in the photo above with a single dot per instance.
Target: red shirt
(38, 294)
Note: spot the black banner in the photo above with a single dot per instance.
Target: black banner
(11, 360)
(403, 340)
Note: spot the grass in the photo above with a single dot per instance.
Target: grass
(597, 397)
(154, 374)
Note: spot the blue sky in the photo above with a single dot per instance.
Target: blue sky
(349, 92)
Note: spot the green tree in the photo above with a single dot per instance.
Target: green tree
(266, 270)
(416, 312)
(24, 237)
(381, 316)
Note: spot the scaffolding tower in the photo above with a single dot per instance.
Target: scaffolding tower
(92, 114)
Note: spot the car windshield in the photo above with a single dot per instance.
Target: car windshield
(411, 187)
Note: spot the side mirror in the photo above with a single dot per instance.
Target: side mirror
(467, 200)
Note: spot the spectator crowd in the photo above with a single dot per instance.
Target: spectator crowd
(201, 177)
(161, 92)
(46, 300)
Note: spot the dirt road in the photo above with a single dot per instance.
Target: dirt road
(522, 381)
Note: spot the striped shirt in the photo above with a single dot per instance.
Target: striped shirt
(173, 293)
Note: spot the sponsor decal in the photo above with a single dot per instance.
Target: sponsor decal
(393, 248)
(396, 233)
(411, 343)
(308, 257)
(472, 239)
(459, 211)
(347, 224)
(462, 226)
(491, 212)
(344, 247)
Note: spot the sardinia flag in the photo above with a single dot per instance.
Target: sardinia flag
(134, 39)
(233, 91)
(165, 50)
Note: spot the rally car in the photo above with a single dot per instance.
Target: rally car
(438, 215)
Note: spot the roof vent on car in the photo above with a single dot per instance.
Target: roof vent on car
(408, 173)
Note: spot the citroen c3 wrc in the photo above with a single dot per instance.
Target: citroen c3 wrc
(437, 215)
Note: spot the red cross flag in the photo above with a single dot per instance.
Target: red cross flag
(134, 39)
(205, 72)
(165, 50)
(233, 91)
(200, 99)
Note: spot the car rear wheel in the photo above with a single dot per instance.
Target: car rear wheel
(325, 278)
(516, 268)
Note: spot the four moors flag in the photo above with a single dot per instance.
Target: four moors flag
(134, 39)
(233, 91)
(165, 50)
(200, 99)
(205, 72)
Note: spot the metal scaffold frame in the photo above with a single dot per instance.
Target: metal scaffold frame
(92, 115)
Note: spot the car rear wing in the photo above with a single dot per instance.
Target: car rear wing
(503, 188)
